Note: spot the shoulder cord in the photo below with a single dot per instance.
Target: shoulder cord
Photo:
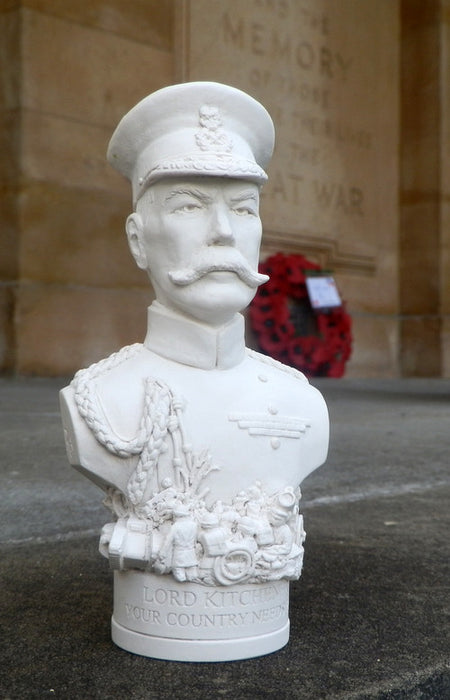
(90, 409)
(158, 416)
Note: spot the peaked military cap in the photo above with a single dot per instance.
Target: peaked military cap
(199, 128)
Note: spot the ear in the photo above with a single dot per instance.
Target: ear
(134, 228)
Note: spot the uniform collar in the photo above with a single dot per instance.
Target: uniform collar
(194, 343)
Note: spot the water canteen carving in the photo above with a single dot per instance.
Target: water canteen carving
(199, 444)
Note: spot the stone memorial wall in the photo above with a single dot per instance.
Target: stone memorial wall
(359, 183)
(69, 291)
(332, 92)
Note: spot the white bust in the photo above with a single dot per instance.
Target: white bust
(199, 443)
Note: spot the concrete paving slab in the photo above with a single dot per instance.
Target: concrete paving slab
(370, 614)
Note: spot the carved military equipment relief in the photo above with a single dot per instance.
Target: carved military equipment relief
(163, 523)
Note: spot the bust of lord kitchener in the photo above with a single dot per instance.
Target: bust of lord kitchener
(199, 444)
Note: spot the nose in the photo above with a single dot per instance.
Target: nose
(221, 228)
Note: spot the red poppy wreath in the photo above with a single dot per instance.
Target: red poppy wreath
(317, 343)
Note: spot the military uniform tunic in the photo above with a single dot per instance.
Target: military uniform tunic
(255, 419)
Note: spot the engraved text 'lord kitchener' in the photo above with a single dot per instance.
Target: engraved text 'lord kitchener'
(210, 599)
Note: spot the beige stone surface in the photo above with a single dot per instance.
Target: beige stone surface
(334, 174)
(63, 328)
(419, 263)
(80, 67)
(329, 74)
(333, 95)
(424, 184)
(375, 347)
(445, 184)
(445, 237)
(69, 153)
(9, 176)
(84, 74)
(445, 346)
(9, 223)
(420, 86)
(445, 207)
(75, 237)
(375, 293)
(421, 346)
(10, 59)
(145, 21)
(10, 141)
(7, 335)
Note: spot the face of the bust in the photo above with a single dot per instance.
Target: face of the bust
(200, 238)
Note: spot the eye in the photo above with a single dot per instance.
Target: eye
(188, 208)
(244, 211)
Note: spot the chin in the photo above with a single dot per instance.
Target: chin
(215, 302)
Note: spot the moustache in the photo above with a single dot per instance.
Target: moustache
(217, 261)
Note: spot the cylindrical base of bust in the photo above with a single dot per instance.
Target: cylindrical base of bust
(159, 617)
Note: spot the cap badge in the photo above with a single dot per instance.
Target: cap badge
(211, 136)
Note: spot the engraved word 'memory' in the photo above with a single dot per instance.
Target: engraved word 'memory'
(261, 40)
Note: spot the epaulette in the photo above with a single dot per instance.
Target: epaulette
(98, 368)
(266, 360)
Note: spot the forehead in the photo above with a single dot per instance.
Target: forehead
(208, 186)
